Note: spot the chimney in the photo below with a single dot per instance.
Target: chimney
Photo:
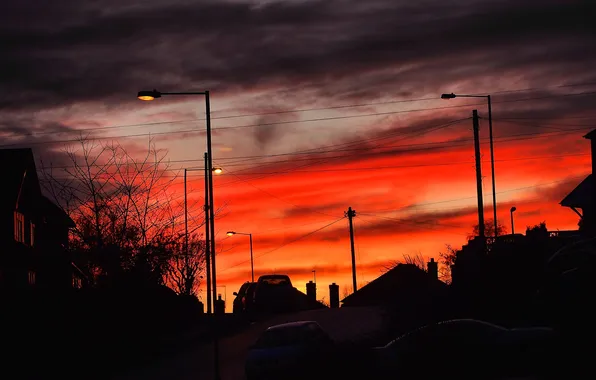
(592, 137)
(433, 268)
(334, 296)
(311, 291)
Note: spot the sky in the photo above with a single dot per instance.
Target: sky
(318, 106)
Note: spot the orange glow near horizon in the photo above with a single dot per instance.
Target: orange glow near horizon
(413, 190)
(415, 201)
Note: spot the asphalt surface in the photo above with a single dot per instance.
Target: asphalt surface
(344, 325)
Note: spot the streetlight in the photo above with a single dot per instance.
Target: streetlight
(511, 212)
(252, 268)
(492, 155)
(154, 94)
(207, 253)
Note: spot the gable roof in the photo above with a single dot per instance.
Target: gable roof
(582, 196)
(403, 277)
(590, 135)
(15, 162)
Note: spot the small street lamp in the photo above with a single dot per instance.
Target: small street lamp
(149, 95)
(492, 155)
(252, 268)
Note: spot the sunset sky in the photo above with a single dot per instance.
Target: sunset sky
(318, 106)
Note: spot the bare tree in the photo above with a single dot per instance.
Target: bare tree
(185, 267)
(127, 217)
(345, 291)
(489, 230)
(447, 259)
(416, 259)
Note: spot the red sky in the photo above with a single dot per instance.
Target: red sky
(319, 106)
(412, 186)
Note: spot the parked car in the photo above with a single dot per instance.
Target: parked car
(459, 348)
(274, 293)
(298, 350)
(239, 303)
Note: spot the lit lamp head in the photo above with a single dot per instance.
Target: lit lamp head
(448, 96)
(230, 233)
(149, 95)
(217, 170)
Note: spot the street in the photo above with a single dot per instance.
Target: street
(344, 325)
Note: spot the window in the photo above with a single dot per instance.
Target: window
(76, 282)
(31, 277)
(32, 233)
(19, 227)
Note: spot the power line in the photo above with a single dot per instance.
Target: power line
(197, 130)
(417, 223)
(285, 244)
(416, 165)
(454, 143)
(568, 180)
(357, 105)
(278, 198)
(446, 144)
(352, 143)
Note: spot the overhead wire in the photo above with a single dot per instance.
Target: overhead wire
(200, 130)
(284, 244)
(356, 105)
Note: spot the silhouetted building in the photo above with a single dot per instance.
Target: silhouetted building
(334, 295)
(433, 268)
(311, 291)
(403, 284)
(34, 231)
(583, 196)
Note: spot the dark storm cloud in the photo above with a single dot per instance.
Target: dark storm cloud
(62, 52)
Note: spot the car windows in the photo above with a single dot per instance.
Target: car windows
(275, 281)
(243, 289)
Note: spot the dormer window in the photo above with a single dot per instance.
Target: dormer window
(19, 227)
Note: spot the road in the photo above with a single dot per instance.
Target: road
(343, 324)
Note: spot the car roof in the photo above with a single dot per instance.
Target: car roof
(267, 276)
(292, 325)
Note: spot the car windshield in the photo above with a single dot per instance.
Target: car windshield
(275, 281)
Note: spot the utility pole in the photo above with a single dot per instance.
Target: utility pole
(185, 218)
(351, 214)
(492, 166)
(478, 175)
(207, 231)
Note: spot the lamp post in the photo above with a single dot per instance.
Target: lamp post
(492, 155)
(152, 95)
(206, 207)
(512, 226)
(252, 268)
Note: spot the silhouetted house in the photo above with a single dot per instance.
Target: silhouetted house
(582, 200)
(405, 285)
(34, 231)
